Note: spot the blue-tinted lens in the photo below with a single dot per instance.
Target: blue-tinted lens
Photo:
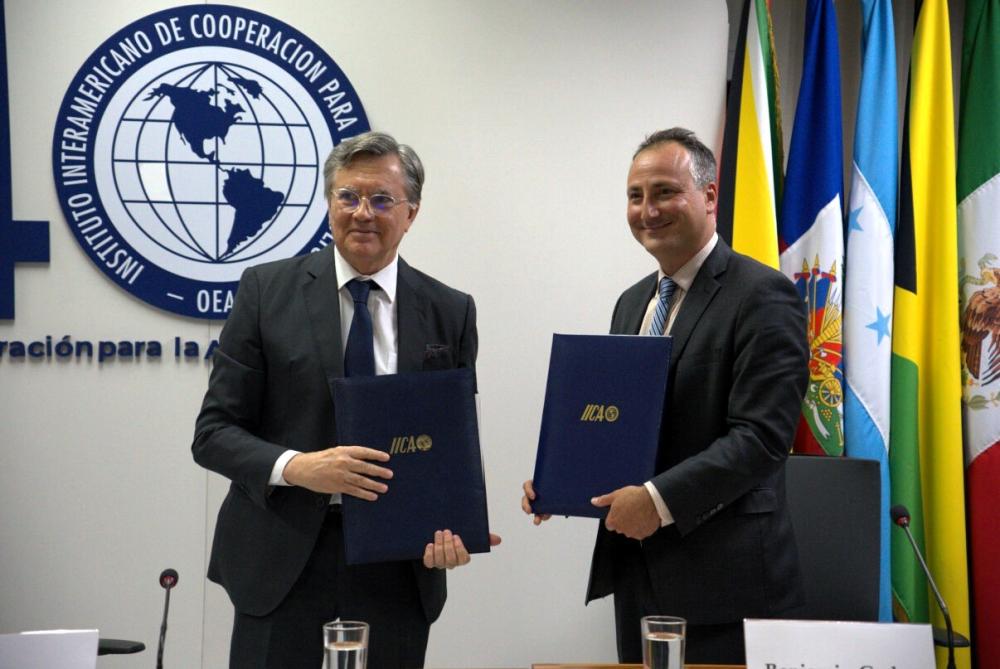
(381, 202)
(348, 199)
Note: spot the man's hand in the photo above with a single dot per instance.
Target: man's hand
(527, 499)
(632, 512)
(448, 551)
(343, 469)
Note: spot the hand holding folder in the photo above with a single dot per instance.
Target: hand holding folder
(631, 511)
(350, 470)
(448, 550)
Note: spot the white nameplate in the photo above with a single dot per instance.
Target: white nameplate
(66, 649)
(813, 644)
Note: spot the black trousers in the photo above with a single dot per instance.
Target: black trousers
(704, 644)
(383, 595)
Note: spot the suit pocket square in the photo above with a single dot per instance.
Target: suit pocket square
(437, 357)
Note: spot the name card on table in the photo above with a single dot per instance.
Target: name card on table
(814, 644)
(66, 649)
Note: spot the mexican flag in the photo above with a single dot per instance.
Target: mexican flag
(979, 239)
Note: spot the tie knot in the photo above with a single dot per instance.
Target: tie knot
(360, 289)
(667, 286)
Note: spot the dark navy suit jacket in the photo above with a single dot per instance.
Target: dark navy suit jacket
(270, 391)
(738, 374)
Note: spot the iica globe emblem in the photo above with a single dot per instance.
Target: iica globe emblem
(190, 146)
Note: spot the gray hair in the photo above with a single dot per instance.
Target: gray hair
(703, 169)
(376, 144)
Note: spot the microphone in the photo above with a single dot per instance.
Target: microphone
(168, 579)
(901, 516)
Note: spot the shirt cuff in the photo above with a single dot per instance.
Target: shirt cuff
(666, 518)
(279, 468)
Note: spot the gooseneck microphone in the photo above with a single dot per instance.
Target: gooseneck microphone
(168, 579)
(901, 516)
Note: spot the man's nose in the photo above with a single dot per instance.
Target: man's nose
(364, 212)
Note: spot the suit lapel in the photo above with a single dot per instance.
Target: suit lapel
(703, 290)
(319, 289)
(410, 320)
(635, 312)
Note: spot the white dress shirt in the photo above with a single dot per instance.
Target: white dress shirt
(382, 305)
(683, 277)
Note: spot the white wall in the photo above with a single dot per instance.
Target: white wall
(525, 114)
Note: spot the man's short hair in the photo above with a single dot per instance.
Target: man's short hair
(376, 144)
(703, 169)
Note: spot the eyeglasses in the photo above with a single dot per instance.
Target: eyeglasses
(380, 203)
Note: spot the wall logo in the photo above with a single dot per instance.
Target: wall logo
(20, 241)
(190, 146)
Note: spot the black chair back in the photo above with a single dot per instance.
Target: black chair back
(835, 509)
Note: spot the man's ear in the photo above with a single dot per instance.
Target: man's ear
(711, 197)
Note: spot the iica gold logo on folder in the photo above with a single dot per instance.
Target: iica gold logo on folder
(599, 413)
(411, 444)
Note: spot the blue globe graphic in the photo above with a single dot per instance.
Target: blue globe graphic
(215, 163)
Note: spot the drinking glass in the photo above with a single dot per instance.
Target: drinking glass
(663, 642)
(346, 644)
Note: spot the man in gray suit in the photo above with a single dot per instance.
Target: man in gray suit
(709, 537)
(267, 422)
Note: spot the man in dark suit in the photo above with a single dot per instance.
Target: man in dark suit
(709, 537)
(267, 422)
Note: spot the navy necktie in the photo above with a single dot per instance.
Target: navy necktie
(359, 355)
(659, 323)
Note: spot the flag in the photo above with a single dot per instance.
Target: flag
(925, 445)
(751, 160)
(871, 222)
(979, 239)
(811, 229)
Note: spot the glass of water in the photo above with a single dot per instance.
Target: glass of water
(346, 644)
(663, 642)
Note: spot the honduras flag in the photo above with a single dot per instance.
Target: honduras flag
(810, 229)
(871, 223)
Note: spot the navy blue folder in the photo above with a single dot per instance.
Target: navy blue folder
(426, 421)
(604, 402)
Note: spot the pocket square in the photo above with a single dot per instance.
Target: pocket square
(438, 356)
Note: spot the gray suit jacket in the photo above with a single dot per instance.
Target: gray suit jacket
(270, 391)
(738, 374)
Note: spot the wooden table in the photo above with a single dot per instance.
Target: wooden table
(631, 666)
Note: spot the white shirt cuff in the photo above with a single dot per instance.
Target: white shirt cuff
(278, 470)
(666, 518)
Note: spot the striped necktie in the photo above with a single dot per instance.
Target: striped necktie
(659, 323)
